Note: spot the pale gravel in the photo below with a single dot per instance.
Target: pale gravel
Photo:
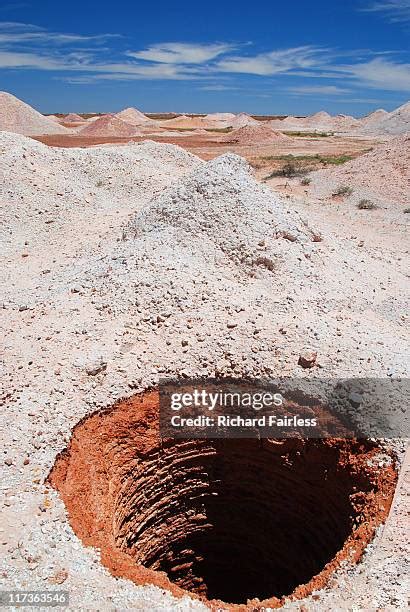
(129, 251)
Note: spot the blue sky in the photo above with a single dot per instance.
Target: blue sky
(260, 56)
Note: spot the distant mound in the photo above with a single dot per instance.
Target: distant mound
(242, 120)
(382, 122)
(17, 116)
(374, 117)
(261, 133)
(73, 118)
(324, 121)
(184, 122)
(320, 121)
(133, 116)
(220, 120)
(220, 117)
(397, 122)
(319, 117)
(108, 125)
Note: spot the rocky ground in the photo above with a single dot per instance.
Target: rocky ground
(124, 264)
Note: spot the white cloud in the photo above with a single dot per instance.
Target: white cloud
(217, 87)
(27, 46)
(380, 74)
(14, 33)
(331, 90)
(397, 10)
(82, 59)
(132, 71)
(274, 62)
(181, 53)
(9, 59)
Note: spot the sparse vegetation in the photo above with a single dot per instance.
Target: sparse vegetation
(181, 129)
(291, 169)
(366, 205)
(343, 190)
(335, 160)
(309, 134)
(288, 170)
(298, 165)
(322, 159)
(306, 181)
(220, 130)
(100, 183)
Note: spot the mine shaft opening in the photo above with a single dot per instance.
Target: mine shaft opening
(228, 520)
(235, 520)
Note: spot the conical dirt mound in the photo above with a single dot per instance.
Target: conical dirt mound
(133, 116)
(254, 134)
(17, 116)
(108, 125)
(242, 120)
(374, 117)
(73, 118)
(189, 217)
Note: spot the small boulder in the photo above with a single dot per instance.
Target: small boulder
(307, 359)
(95, 367)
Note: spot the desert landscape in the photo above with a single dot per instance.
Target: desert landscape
(137, 247)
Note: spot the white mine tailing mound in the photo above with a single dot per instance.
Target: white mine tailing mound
(133, 116)
(185, 122)
(24, 154)
(242, 120)
(319, 117)
(396, 122)
(193, 218)
(321, 121)
(180, 225)
(73, 118)
(225, 117)
(374, 117)
(261, 133)
(108, 125)
(383, 174)
(135, 172)
(210, 121)
(17, 116)
(381, 122)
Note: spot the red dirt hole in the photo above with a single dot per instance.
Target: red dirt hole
(224, 520)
